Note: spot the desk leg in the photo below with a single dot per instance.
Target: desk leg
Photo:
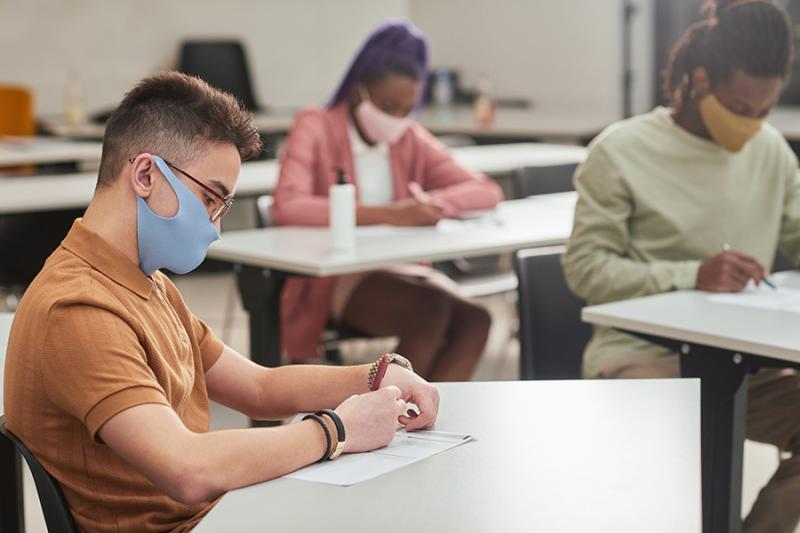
(724, 380)
(260, 290)
(12, 513)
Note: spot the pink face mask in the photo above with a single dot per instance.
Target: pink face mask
(379, 126)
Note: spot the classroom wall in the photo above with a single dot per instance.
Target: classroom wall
(559, 53)
(562, 54)
(298, 49)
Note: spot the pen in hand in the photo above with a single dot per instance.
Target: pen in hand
(727, 247)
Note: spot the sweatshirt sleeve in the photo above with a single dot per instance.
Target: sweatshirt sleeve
(596, 264)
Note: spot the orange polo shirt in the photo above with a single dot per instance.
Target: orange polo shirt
(94, 336)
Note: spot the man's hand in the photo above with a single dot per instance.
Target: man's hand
(370, 419)
(729, 271)
(416, 390)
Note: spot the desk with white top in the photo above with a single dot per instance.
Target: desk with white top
(264, 257)
(720, 343)
(51, 192)
(17, 151)
(566, 456)
(20, 194)
(787, 120)
(570, 125)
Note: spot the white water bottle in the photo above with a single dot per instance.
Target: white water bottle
(342, 213)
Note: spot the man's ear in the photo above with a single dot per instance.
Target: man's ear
(141, 175)
(701, 83)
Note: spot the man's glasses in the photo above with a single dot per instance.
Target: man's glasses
(227, 201)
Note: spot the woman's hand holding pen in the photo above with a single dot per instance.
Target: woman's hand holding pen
(412, 212)
(729, 271)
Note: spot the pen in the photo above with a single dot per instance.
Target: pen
(418, 193)
(726, 247)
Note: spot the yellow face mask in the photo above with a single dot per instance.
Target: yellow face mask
(729, 130)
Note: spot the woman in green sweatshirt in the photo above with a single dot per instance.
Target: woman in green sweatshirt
(699, 195)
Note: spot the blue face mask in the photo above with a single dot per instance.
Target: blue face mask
(178, 243)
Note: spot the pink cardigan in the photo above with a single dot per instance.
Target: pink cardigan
(318, 143)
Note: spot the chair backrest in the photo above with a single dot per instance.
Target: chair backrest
(54, 507)
(782, 262)
(530, 181)
(223, 64)
(264, 211)
(16, 111)
(552, 335)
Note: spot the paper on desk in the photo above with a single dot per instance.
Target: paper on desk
(763, 297)
(481, 219)
(405, 449)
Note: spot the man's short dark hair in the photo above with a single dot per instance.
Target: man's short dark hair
(175, 116)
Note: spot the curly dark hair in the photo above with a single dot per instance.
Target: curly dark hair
(754, 36)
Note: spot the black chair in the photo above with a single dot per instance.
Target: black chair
(54, 507)
(223, 64)
(552, 335)
(782, 263)
(530, 181)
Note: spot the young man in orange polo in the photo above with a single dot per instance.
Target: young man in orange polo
(108, 373)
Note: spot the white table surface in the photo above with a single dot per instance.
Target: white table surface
(618, 456)
(787, 120)
(570, 124)
(690, 316)
(70, 191)
(5, 327)
(20, 194)
(39, 150)
(537, 221)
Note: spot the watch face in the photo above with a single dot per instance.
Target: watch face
(400, 360)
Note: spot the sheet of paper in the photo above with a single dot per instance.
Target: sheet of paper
(405, 449)
(487, 219)
(763, 297)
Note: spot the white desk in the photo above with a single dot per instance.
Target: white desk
(499, 159)
(787, 120)
(719, 343)
(571, 125)
(552, 124)
(276, 122)
(19, 194)
(266, 256)
(690, 317)
(537, 221)
(551, 456)
(16, 151)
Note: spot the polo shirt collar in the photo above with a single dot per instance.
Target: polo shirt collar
(104, 257)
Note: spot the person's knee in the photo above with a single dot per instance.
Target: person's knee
(431, 313)
(472, 318)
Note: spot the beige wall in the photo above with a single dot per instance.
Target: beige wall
(298, 49)
(558, 53)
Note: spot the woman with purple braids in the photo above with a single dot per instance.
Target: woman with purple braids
(403, 177)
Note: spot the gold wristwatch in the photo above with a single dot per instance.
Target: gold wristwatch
(398, 359)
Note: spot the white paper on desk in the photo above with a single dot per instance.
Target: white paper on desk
(763, 297)
(405, 449)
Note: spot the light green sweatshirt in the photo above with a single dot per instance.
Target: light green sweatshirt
(654, 201)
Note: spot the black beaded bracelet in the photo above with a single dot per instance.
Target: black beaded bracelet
(324, 427)
(340, 434)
